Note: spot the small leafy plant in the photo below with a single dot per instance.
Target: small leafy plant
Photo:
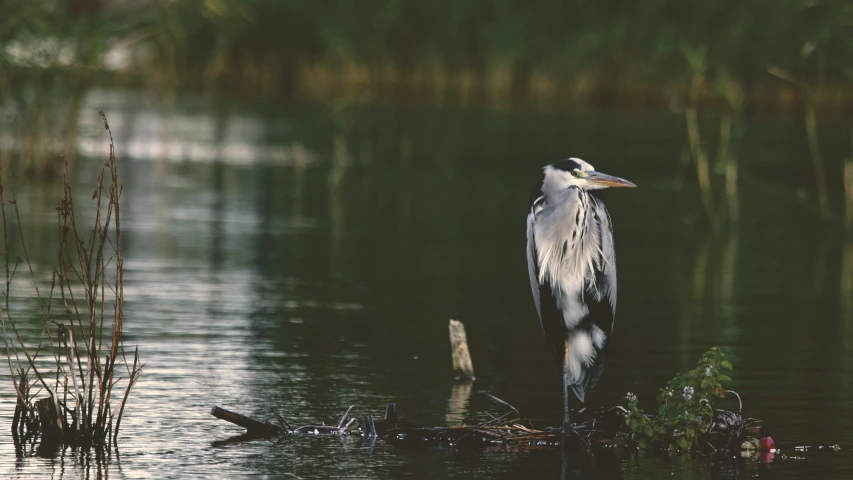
(685, 406)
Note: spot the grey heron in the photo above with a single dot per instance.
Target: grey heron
(572, 267)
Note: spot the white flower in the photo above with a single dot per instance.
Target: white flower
(688, 393)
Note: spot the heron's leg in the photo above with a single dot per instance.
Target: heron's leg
(567, 419)
(567, 424)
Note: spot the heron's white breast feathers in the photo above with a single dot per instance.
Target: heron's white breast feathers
(582, 352)
(567, 244)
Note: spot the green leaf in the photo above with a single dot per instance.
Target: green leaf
(674, 413)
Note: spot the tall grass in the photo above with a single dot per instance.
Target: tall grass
(78, 362)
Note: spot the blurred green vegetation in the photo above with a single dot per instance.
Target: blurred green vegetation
(728, 58)
(728, 54)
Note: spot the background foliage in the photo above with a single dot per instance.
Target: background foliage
(501, 50)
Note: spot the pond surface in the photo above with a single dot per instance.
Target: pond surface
(306, 258)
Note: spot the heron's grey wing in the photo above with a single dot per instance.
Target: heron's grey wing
(601, 300)
(550, 315)
(532, 260)
(606, 266)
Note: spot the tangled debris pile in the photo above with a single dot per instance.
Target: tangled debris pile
(727, 432)
(686, 420)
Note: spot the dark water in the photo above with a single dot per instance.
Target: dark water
(308, 258)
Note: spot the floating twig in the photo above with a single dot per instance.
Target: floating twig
(345, 417)
(501, 402)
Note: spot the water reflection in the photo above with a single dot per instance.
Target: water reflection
(457, 404)
(846, 331)
(706, 284)
(727, 301)
(297, 186)
(68, 463)
(340, 164)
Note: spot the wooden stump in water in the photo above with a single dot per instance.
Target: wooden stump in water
(48, 417)
(462, 364)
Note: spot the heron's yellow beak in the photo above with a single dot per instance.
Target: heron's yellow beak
(604, 180)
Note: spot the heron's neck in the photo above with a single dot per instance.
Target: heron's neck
(571, 193)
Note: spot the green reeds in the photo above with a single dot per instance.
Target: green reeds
(78, 360)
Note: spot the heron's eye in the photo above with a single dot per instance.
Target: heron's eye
(576, 173)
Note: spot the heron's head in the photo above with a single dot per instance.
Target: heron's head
(570, 172)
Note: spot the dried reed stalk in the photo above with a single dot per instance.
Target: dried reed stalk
(87, 343)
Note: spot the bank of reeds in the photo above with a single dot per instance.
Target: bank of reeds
(72, 379)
